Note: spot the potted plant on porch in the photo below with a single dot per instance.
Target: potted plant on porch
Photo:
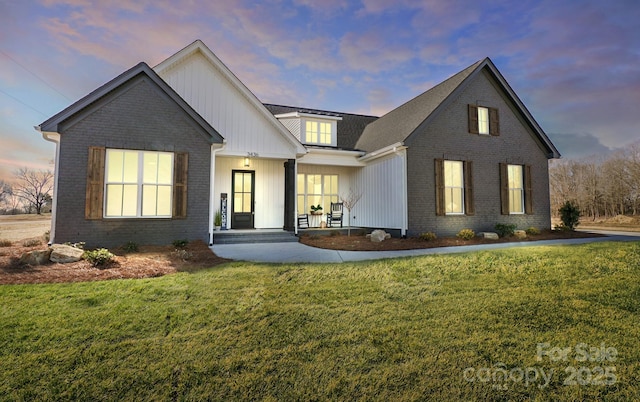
(217, 220)
(316, 210)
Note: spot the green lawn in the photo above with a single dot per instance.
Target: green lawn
(435, 327)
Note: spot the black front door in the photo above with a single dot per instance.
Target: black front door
(243, 185)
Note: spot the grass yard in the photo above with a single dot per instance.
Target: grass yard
(446, 327)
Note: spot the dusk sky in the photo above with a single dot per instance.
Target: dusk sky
(575, 64)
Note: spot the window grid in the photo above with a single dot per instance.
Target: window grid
(318, 132)
(516, 189)
(483, 120)
(138, 184)
(453, 187)
(316, 189)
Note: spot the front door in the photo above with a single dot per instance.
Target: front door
(243, 199)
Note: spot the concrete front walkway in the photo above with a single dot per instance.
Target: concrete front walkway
(298, 252)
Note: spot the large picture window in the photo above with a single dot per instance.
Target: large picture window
(138, 184)
(316, 189)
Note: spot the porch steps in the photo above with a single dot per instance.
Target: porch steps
(253, 236)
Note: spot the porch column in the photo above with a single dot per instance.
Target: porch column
(289, 194)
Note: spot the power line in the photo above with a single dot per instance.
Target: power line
(35, 75)
(19, 101)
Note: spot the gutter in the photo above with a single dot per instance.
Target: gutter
(388, 150)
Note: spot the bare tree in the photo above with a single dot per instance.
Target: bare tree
(349, 201)
(33, 187)
(5, 190)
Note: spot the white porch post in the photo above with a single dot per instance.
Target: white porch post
(212, 196)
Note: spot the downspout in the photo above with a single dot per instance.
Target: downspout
(55, 138)
(405, 197)
(295, 198)
(215, 148)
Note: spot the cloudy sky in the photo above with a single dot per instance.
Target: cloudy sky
(574, 63)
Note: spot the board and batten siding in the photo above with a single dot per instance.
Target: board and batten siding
(269, 188)
(217, 100)
(382, 184)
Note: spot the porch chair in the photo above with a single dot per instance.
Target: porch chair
(303, 221)
(335, 214)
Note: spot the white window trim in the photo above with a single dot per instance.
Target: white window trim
(521, 189)
(304, 192)
(483, 110)
(451, 187)
(139, 185)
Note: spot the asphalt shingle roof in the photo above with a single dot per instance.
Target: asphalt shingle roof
(399, 123)
(350, 128)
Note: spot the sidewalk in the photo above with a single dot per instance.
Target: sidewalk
(298, 252)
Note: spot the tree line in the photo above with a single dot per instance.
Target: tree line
(29, 192)
(602, 186)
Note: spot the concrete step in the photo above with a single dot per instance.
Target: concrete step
(253, 236)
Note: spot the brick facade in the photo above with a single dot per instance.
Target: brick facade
(447, 136)
(139, 116)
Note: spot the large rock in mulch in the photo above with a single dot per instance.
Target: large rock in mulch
(379, 235)
(520, 234)
(64, 254)
(35, 257)
(489, 235)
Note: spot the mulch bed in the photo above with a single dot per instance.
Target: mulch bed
(154, 261)
(147, 262)
(362, 243)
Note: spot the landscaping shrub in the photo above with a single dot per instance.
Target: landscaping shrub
(570, 215)
(31, 243)
(466, 234)
(532, 231)
(47, 235)
(504, 229)
(5, 243)
(180, 243)
(427, 236)
(182, 254)
(130, 247)
(98, 257)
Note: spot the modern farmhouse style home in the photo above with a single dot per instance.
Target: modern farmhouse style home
(153, 155)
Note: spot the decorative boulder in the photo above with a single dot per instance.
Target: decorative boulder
(64, 254)
(36, 257)
(379, 235)
(520, 234)
(489, 235)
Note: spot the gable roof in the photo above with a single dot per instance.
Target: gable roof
(199, 46)
(52, 124)
(349, 129)
(400, 123)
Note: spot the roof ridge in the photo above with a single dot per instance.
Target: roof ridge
(302, 109)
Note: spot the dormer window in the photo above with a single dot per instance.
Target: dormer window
(318, 133)
(312, 127)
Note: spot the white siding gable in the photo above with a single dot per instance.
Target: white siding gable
(230, 111)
